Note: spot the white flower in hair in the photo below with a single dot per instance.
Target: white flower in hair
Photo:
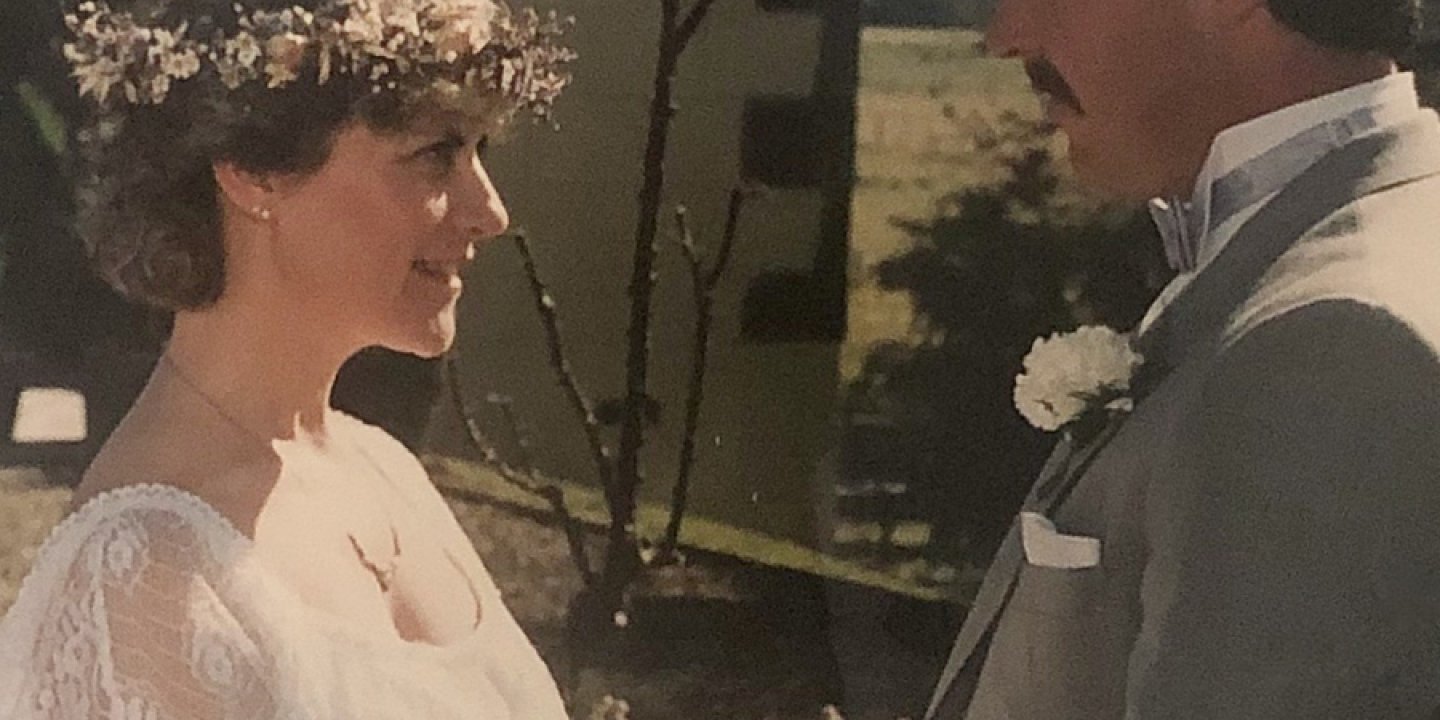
(1070, 376)
(246, 49)
(465, 28)
(283, 55)
(497, 59)
(174, 60)
(182, 65)
(97, 76)
(159, 87)
(402, 17)
(161, 42)
(365, 26)
(236, 60)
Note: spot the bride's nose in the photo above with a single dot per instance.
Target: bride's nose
(481, 213)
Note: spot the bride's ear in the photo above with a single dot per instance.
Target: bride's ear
(250, 194)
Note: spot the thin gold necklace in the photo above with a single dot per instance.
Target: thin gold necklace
(384, 570)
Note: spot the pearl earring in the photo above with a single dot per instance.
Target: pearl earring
(261, 212)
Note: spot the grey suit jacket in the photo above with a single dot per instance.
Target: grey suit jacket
(1269, 515)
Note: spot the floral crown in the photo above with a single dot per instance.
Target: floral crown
(451, 47)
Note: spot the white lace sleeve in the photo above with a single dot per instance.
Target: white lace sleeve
(122, 619)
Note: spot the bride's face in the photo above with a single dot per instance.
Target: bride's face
(376, 239)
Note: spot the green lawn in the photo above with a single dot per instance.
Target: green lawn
(587, 504)
(926, 98)
(28, 509)
(931, 61)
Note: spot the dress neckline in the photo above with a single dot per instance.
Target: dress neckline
(237, 554)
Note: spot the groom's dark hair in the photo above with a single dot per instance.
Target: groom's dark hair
(1387, 27)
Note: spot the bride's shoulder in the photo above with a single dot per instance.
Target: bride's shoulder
(187, 510)
(182, 462)
(208, 484)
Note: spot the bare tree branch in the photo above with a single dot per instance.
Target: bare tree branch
(522, 479)
(600, 454)
(686, 240)
(669, 16)
(703, 292)
(512, 421)
(622, 558)
(692, 21)
(703, 317)
(738, 195)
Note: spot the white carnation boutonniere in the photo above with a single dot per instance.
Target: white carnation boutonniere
(1077, 379)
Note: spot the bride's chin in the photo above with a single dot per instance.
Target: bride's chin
(431, 341)
(428, 347)
(427, 334)
(432, 352)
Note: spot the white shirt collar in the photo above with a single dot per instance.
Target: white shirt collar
(1393, 99)
(1393, 94)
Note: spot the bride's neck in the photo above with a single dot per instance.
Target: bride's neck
(263, 372)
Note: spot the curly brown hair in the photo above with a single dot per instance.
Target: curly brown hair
(148, 203)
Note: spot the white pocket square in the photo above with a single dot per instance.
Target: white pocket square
(1047, 547)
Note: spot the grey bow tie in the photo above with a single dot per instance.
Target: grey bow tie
(1184, 224)
(1181, 228)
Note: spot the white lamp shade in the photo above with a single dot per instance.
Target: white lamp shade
(49, 415)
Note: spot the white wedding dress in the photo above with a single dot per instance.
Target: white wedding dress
(147, 604)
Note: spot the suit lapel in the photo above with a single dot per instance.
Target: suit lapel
(1196, 319)
(1048, 495)
(1199, 315)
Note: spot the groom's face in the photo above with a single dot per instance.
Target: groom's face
(1123, 79)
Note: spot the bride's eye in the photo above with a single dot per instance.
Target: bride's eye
(443, 154)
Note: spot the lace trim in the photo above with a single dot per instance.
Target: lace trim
(105, 547)
(66, 538)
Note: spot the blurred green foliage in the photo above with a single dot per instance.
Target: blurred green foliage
(46, 118)
(1007, 256)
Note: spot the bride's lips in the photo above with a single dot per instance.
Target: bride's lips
(439, 271)
(1056, 95)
